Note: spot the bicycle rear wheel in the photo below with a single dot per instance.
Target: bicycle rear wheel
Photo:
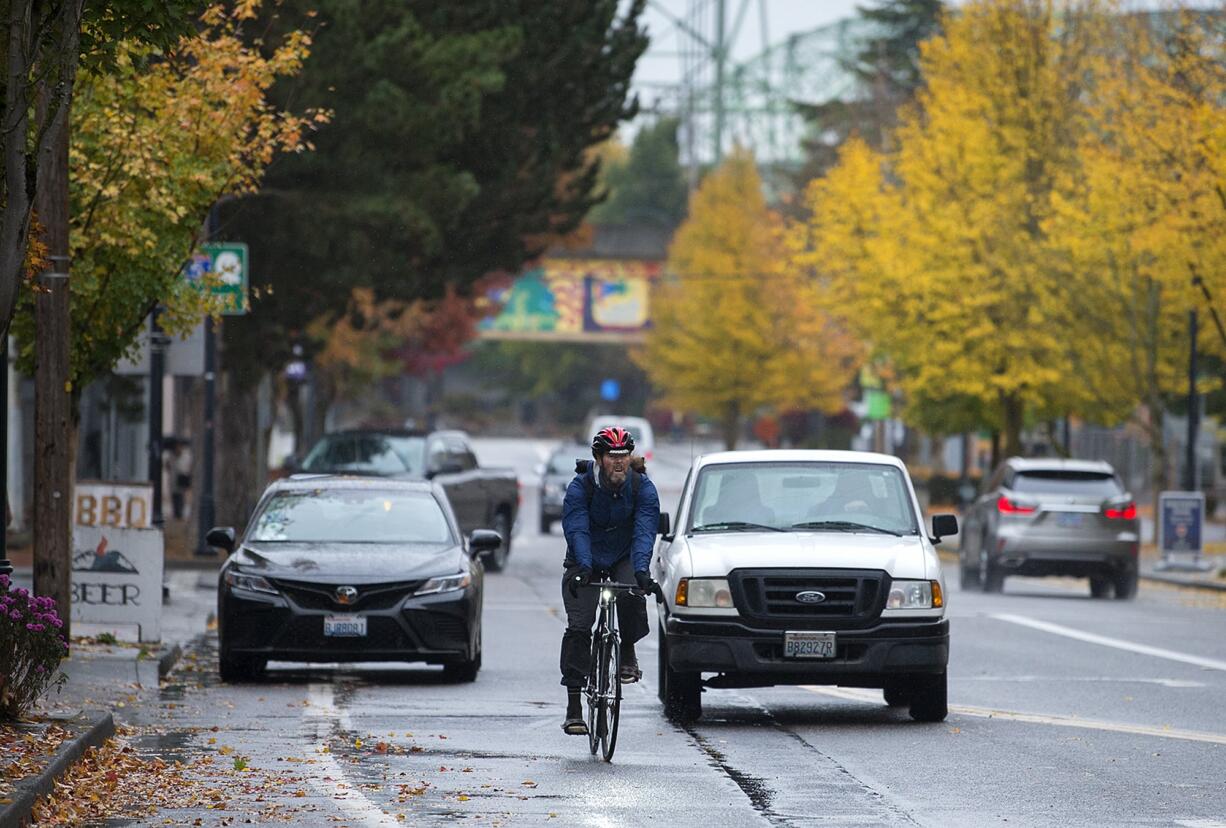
(611, 713)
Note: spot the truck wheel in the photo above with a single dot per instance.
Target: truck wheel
(929, 700)
(681, 692)
(497, 559)
(1100, 586)
(991, 579)
(546, 525)
(1126, 585)
(970, 577)
(897, 692)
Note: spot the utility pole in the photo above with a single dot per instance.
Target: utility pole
(206, 503)
(721, 59)
(157, 373)
(1189, 477)
(6, 568)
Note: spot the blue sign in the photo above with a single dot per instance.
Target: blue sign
(610, 390)
(1183, 518)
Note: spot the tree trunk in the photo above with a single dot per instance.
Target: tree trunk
(730, 425)
(14, 128)
(1158, 461)
(996, 458)
(239, 464)
(1013, 411)
(53, 431)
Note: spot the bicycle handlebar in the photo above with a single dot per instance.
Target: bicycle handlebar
(658, 592)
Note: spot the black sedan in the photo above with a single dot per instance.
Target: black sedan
(347, 569)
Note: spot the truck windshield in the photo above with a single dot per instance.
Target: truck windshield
(351, 516)
(377, 454)
(821, 497)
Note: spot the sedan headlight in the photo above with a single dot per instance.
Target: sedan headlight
(448, 583)
(252, 583)
(704, 592)
(912, 595)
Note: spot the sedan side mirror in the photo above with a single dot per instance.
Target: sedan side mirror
(484, 540)
(222, 537)
(943, 526)
(665, 525)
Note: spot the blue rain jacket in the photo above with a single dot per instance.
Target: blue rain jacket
(616, 524)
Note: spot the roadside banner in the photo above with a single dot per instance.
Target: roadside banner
(1181, 529)
(117, 559)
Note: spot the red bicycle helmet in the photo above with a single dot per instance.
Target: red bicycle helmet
(612, 440)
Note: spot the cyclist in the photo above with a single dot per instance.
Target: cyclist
(609, 516)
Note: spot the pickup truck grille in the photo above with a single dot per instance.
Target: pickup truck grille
(769, 596)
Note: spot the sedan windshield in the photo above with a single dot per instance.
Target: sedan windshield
(351, 516)
(377, 454)
(811, 497)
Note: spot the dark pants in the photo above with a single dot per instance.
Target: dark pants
(581, 615)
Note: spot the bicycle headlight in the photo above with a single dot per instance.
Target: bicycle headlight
(704, 592)
(913, 595)
(448, 583)
(251, 583)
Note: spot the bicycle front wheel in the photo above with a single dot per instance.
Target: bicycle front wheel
(611, 678)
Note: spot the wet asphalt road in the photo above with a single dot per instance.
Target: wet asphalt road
(1064, 710)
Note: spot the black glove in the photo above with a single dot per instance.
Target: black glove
(581, 578)
(645, 583)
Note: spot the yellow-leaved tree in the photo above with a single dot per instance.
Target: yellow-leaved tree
(734, 328)
(1140, 219)
(938, 250)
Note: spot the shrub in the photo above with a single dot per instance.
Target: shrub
(31, 648)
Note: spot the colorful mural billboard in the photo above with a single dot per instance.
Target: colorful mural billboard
(575, 300)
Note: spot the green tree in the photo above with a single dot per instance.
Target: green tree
(648, 184)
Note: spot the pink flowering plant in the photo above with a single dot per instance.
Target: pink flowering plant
(31, 648)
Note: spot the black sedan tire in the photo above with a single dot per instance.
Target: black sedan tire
(546, 525)
(239, 668)
(930, 699)
(466, 671)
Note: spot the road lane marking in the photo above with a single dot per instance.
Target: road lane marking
(322, 711)
(1117, 643)
(1173, 684)
(1052, 719)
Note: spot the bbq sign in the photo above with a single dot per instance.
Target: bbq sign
(116, 562)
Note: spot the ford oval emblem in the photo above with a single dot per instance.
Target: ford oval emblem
(811, 597)
(346, 595)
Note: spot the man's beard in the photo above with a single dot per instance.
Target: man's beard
(615, 477)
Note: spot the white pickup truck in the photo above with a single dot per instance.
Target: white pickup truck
(802, 567)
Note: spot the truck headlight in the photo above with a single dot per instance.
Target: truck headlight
(704, 592)
(911, 595)
(251, 583)
(448, 583)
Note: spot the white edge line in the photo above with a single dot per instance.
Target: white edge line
(321, 708)
(1117, 643)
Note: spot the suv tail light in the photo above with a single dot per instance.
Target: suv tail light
(1007, 507)
(1126, 512)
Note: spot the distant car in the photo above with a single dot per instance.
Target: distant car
(1053, 517)
(556, 474)
(342, 569)
(482, 498)
(640, 429)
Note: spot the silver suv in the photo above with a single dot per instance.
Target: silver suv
(1053, 517)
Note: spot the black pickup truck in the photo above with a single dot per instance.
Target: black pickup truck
(481, 498)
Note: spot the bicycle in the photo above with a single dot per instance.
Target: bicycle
(603, 688)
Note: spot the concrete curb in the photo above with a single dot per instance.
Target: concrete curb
(168, 660)
(28, 791)
(1176, 580)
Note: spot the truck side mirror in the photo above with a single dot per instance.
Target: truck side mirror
(665, 525)
(222, 537)
(943, 526)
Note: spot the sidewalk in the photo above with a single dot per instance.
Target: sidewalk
(106, 685)
(1213, 577)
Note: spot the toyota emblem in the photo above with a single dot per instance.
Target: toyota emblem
(811, 597)
(346, 595)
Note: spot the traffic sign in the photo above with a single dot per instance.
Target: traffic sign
(228, 261)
